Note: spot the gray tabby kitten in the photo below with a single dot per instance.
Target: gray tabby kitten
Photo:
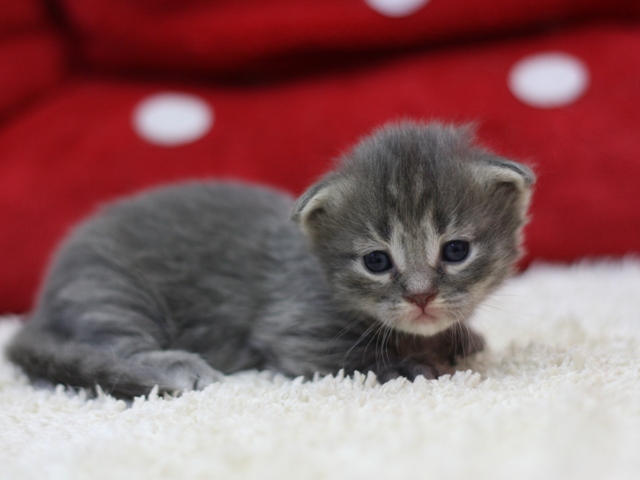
(384, 261)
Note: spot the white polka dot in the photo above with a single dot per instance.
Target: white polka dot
(171, 119)
(549, 79)
(396, 8)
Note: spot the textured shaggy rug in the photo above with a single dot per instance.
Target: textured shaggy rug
(557, 396)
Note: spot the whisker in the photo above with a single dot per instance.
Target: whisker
(346, 329)
(385, 342)
(379, 353)
(378, 326)
(360, 338)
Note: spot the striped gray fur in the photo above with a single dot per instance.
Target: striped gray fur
(178, 285)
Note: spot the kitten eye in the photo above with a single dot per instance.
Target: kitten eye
(455, 251)
(377, 262)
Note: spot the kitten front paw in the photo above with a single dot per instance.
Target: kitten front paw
(179, 371)
(189, 373)
(411, 368)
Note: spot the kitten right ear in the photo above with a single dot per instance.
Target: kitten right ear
(313, 204)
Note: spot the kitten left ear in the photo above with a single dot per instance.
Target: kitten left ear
(501, 173)
(507, 171)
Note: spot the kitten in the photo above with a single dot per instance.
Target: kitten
(384, 261)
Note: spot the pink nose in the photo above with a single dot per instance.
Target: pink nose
(421, 299)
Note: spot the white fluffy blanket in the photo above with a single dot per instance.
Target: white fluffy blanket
(556, 396)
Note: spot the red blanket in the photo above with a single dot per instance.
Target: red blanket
(290, 84)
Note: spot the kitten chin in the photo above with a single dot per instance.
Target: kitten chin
(426, 321)
(385, 260)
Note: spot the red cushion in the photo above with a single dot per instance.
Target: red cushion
(79, 149)
(22, 15)
(31, 64)
(32, 56)
(258, 35)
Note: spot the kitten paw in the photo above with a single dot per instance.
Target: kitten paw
(411, 368)
(178, 371)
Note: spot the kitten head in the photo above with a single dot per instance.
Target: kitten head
(417, 225)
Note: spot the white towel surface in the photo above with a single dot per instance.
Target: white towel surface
(556, 396)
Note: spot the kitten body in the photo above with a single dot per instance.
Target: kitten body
(384, 261)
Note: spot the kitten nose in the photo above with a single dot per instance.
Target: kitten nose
(421, 299)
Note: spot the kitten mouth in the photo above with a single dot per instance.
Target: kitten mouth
(426, 316)
(425, 322)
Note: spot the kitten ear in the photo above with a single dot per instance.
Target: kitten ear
(508, 171)
(499, 173)
(314, 203)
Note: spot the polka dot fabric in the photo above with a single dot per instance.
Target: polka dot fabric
(172, 119)
(548, 80)
(396, 8)
(93, 136)
(270, 37)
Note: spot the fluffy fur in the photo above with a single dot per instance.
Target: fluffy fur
(181, 284)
